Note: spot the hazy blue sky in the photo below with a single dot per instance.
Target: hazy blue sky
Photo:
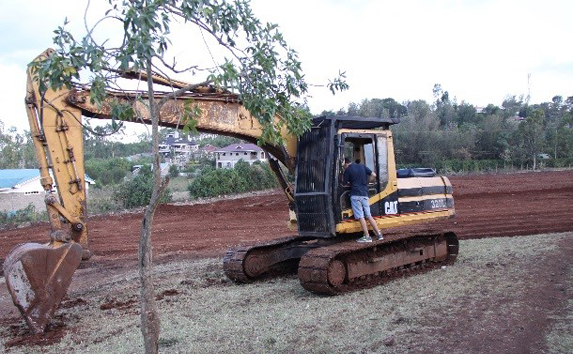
(480, 51)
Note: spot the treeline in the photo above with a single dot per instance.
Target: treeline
(453, 136)
(443, 134)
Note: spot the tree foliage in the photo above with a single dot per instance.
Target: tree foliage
(452, 136)
(242, 178)
(16, 150)
(108, 171)
(98, 144)
(260, 66)
(136, 192)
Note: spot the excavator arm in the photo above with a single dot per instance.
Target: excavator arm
(38, 275)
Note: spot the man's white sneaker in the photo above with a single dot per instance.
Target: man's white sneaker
(364, 239)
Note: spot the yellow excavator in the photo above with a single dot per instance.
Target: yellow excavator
(324, 252)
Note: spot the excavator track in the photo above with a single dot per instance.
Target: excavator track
(350, 266)
(245, 264)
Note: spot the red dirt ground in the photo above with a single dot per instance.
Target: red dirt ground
(486, 206)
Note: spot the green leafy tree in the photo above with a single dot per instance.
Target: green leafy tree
(466, 114)
(383, 108)
(16, 150)
(108, 171)
(219, 141)
(137, 192)
(98, 145)
(512, 106)
(494, 137)
(530, 135)
(173, 171)
(260, 67)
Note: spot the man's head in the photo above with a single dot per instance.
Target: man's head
(346, 162)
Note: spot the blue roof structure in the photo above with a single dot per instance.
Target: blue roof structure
(10, 178)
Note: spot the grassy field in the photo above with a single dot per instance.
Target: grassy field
(202, 312)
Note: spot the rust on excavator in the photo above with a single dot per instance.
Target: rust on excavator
(38, 277)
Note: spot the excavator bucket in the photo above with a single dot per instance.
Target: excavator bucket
(38, 277)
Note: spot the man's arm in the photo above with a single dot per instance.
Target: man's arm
(345, 181)
(371, 175)
(372, 178)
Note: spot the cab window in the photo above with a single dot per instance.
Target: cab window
(361, 149)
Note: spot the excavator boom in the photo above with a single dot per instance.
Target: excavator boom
(38, 275)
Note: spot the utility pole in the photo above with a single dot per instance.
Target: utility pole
(528, 89)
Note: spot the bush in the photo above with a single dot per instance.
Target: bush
(108, 171)
(173, 171)
(204, 165)
(137, 191)
(242, 178)
(101, 201)
(559, 163)
(28, 214)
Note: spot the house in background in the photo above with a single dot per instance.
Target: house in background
(207, 151)
(178, 150)
(20, 187)
(228, 156)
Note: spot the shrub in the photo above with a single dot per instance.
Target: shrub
(173, 171)
(137, 191)
(108, 171)
(28, 214)
(242, 178)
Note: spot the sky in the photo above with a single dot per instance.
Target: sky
(479, 51)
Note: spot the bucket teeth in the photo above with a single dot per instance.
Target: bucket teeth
(38, 277)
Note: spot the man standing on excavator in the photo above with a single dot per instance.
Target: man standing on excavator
(357, 175)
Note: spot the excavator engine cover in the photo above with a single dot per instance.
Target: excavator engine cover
(38, 277)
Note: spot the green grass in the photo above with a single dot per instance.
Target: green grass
(209, 314)
(100, 201)
(178, 186)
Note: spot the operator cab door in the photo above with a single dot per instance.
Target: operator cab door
(371, 150)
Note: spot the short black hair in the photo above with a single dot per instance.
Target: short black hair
(346, 160)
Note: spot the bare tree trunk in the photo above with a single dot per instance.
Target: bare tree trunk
(150, 323)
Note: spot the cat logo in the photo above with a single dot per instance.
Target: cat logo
(391, 207)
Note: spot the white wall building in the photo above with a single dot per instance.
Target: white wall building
(228, 156)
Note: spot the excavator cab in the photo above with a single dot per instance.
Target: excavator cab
(322, 200)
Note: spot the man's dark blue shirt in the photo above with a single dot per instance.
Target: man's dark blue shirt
(357, 175)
